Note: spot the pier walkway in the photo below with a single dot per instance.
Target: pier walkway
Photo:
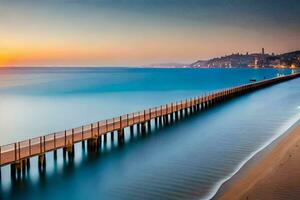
(18, 154)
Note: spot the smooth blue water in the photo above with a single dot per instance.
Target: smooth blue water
(186, 161)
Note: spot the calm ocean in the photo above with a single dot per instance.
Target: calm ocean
(186, 161)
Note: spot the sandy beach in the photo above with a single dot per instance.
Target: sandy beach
(275, 175)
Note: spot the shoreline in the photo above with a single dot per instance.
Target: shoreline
(250, 161)
(253, 170)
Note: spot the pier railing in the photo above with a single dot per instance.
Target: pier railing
(40, 145)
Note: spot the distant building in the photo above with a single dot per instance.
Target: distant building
(275, 62)
(256, 63)
(263, 51)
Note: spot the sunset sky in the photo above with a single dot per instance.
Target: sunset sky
(137, 32)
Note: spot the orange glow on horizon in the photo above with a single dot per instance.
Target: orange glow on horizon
(92, 54)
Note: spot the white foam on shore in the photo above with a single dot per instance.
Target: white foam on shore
(282, 130)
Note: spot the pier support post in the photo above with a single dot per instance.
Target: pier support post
(105, 138)
(55, 154)
(149, 125)
(143, 127)
(64, 152)
(131, 130)
(13, 170)
(70, 149)
(16, 168)
(28, 163)
(99, 141)
(138, 128)
(83, 144)
(19, 167)
(163, 119)
(42, 162)
(24, 164)
(160, 121)
(121, 137)
(92, 144)
(112, 136)
(176, 115)
(172, 115)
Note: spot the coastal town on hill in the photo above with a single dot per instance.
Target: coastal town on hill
(255, 60)
(247, 60)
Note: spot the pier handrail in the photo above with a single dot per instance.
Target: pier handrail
(13, 152)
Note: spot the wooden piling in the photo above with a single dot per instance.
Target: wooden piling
(138, 127)
(185, 112)
(42, 161)
(176, 115)
(70, 149)
(149, 125)
(112, 135)
(143, 127)
(28, 163)
(121, 137)
(105, 138)
(181, 113)
(12, 170)
(99, 141)
(92, 144)
(64, 152)
(55, 154)
(131, 130)
(83, 144)
(172, 117)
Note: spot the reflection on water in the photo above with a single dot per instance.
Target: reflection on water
(183, 161)
(64, 167)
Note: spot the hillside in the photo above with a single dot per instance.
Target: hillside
(291, 59)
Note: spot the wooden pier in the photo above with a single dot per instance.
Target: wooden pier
(18, 154)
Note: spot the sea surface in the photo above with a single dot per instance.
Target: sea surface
(188, 160)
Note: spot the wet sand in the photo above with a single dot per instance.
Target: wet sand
(274, 175)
